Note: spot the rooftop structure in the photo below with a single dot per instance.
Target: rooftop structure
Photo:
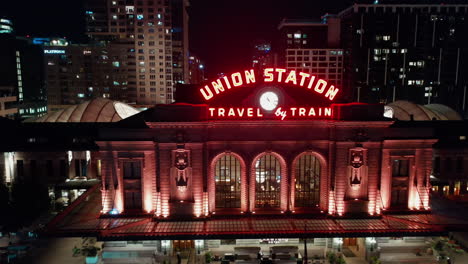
(97, 110)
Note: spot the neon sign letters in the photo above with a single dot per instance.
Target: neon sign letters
(270, 75)
(280, 113)
(54, 51)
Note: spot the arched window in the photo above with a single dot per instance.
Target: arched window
(307, 181)
(267, 181)
(228, 182)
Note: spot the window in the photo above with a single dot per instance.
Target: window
(131, 170)
(63, 169)
(20, 169)
(132, 185)
(448, 165)
(268, 181)
(400, 176)
(81, 167)
(49, 169)
(459, 167)
(436, 165)
(400, 168)
(228, 182)
(307, 181)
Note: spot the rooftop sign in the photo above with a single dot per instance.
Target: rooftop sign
(270, 75)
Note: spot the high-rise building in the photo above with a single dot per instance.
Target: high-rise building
(415, 52)
(196, 70)
(312, 47)
(152, 32)
(80, 72)
(8, 101)
(180, 43)
(262, 56)
(22, 71)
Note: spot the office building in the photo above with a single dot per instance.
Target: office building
(263, 56)
(196, 70)
(77, 73)
(155, 32)
(312, 47)
(8, 101)
(22, 68)
(406, 51)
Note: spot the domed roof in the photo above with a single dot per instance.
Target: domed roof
(444, 111)
(96, 110)
(403, 110)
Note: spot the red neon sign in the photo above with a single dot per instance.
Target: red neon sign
(270, 75)
(280, 113)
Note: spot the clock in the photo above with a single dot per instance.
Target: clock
(269, 100)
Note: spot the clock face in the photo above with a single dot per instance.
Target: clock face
(269, 101)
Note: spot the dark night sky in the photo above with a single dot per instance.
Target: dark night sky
(222, 32)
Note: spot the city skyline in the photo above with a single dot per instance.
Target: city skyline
(222, 40)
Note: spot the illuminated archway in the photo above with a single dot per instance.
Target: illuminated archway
(268, 184)
(309, 181)
(227, 172)
(227, 184)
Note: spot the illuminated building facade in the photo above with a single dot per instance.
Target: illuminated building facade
(77, 73)
(196, 70)
(256, 157)
(313, 47)
(8, 102)
(156, 32)
(251, 156)
(22, 68)
(262, 56)
(414, 52)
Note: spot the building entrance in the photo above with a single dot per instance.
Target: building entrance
(183, 244)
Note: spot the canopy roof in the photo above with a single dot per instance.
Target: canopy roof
(82, 218)
(404, 110)
(96, 110)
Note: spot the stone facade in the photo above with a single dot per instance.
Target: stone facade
(356, 160)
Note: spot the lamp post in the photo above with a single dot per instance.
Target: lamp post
(305, 242)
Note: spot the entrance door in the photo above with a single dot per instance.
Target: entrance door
(399, 197)
(132, 200)
(349, 241)
(183, 244)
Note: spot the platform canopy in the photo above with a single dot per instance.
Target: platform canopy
(82, 218)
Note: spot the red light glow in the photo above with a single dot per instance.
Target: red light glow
(278, 75)
(282, 113)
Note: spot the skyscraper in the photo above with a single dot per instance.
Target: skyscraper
(21, 71)
(147, 31)
(414, 52)
(313, 47)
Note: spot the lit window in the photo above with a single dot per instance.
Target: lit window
(307, 181)
(228, 182)
(386, 38)
(268, 181)
(297, 35)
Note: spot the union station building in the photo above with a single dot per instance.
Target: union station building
(249, 158)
